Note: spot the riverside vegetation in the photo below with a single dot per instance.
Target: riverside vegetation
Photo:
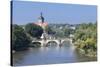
(85, 36)
(85, 39)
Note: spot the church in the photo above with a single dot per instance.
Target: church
(43, 24)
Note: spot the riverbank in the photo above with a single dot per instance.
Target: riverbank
(89, 53)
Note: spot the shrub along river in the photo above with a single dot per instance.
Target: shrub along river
(49, 55)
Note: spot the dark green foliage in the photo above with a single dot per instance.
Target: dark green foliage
(35, 44)
(49, 30)
(34, 30)
(19, 39)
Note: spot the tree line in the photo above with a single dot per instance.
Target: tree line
(86, 39)
(85, 36)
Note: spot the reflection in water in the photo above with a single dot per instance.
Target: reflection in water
(49, 55)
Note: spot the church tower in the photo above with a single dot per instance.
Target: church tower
(43, 24)
(41, 18)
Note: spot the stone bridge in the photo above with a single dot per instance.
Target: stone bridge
(57, 41)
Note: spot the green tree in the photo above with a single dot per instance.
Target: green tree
(34, 30)
(50, 30)
(19, 39)
(86, 37)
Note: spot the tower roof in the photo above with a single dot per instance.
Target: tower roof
(41, 21)
(41, 17)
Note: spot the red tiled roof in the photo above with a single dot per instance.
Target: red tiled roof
(42, 24)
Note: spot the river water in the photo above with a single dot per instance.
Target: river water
(49, 55)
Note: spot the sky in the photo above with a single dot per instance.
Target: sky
(28, 12)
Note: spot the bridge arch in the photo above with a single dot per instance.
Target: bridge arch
(36, 44)
(47, 44)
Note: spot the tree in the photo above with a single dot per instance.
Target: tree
(34, 30)
(19, 39)
(86, 37)
(50, 30)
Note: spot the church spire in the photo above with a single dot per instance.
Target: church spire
(41, 18)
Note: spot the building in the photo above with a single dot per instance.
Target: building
(43, 24)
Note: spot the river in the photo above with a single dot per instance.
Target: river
(49, 55)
